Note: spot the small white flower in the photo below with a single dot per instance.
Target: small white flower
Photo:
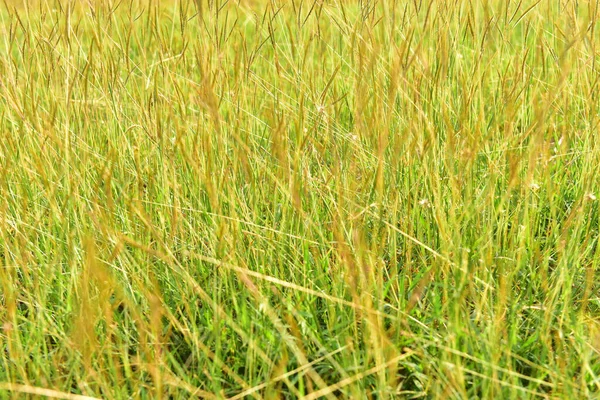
(424, 203)
(263, 306)
(591, 196)
(534, 186)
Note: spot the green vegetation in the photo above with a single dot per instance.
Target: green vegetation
(287, 198)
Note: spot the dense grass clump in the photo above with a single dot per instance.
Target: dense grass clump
(287, 198)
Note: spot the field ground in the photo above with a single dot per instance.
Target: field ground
(286, 199)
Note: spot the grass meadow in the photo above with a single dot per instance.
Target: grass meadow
(299, 199)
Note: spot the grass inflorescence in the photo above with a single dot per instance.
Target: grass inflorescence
(317, 199)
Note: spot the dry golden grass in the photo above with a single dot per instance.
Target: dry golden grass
(299, 199)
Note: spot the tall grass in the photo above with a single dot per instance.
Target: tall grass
(263, 199)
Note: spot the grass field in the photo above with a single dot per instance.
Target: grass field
(299, 199)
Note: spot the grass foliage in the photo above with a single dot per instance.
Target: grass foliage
(263, 199)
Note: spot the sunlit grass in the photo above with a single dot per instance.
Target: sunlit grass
(292, 199)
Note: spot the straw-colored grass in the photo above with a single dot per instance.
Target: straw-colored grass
(287, 198)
